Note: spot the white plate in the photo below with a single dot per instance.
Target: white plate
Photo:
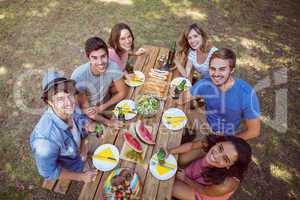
(140, 75)
(170, 169)
(106, 164)
(177, 81)
(130, 104)
(170, 114)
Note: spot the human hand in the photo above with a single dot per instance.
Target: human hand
(89, 176)
(140, 51)
(91, 112)
(172, 91)
(101, 108)
(114, 123)
(128, 76)
(90, 127)
(184, 98)
(177, 62)
(180, 174)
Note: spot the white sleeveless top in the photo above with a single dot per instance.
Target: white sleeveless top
(201, 68)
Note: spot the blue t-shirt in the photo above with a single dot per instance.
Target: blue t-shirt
(96, 87)
(226, 110)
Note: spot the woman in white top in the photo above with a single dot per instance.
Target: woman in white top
(196, 48)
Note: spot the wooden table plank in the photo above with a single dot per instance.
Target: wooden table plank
(62, 186)
(49, 184)
(151, 183)
(155, 122)
(89, 189)
(174, 139)
(152, 54)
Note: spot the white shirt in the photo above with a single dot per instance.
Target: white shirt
(201, 68)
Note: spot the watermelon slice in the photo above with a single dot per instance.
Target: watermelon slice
(133, 142)
(143, 133)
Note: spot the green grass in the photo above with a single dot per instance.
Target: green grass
(40, 35)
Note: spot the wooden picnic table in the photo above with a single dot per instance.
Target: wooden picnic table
(151, 187)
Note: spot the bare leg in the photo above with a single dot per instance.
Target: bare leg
(183, 191)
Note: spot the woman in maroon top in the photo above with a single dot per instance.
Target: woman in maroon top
(213, 174)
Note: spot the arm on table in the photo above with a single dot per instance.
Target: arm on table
(91, 112)
(86, 177)
(122, 91)
(252, 129)
(186, 147)
(186, 97)
(229, 185)
(139, 52)
(184, 71)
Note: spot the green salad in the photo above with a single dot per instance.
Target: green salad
(148, 105)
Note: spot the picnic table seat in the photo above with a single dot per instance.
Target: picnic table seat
(62, 185)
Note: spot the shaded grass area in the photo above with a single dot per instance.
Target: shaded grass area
(40, 35)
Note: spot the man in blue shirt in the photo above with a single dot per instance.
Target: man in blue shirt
(55, 140)
(228, 101)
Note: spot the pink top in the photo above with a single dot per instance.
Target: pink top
(113, 56)
(194, 171)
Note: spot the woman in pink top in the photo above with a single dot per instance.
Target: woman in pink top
(214, 175)
(121, 42)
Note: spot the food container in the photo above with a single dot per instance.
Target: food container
(148, 105)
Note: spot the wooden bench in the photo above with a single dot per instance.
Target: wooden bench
(61, 186)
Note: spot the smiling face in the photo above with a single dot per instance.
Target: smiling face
(195, 39)
(99, 61)
(125, 40)
(221, 155)
(219, 71)
(63, 104)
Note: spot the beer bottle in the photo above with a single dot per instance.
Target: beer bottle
(171, 55)
(181, 85)
(179, 89)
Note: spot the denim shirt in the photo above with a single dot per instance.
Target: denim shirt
(53, 145)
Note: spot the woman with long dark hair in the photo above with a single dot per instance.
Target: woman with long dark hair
(121, 45)
(216, 173)
(195, 46)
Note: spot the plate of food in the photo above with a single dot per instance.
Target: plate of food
(162, 167)
(135, 79)
(181, 82)
(122, 183)
(133, 150)
(106, 157)
(125, 110)
(148, 105)
(174, 119)
(157, 83)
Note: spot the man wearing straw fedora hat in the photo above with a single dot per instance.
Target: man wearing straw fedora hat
(56, 139)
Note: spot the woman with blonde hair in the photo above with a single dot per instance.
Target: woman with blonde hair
(198, 50)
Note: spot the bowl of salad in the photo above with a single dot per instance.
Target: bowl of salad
(148, 105)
